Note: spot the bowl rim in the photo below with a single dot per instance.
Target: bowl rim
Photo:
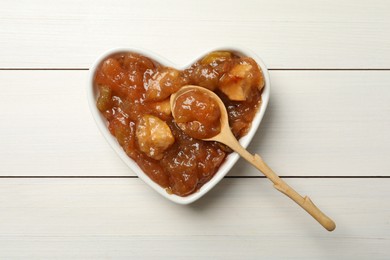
(230, 160)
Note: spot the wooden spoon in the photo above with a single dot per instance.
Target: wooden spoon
(226, 137)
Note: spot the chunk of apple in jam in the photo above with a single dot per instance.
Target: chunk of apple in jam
(153, 136)
(161, 108)
(237, 83)
(163, 83)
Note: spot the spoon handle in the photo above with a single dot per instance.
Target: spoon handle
(283, 187)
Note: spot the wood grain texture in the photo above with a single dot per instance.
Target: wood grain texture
(318, 123)
(304, 34)
(240, 218)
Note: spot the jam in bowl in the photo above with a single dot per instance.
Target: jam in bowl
(129, 97)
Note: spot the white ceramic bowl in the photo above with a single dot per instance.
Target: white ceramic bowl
(231, 159)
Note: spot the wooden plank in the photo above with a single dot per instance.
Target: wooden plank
(304, 34)
(240, 218)
(318, 123)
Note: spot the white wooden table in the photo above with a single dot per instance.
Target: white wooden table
(65, 194)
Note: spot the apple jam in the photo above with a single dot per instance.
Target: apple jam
(134, 94)
(197, 114)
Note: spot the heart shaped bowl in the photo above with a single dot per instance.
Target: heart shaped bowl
(231, 159)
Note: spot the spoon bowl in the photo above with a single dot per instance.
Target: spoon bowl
(225, 136)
